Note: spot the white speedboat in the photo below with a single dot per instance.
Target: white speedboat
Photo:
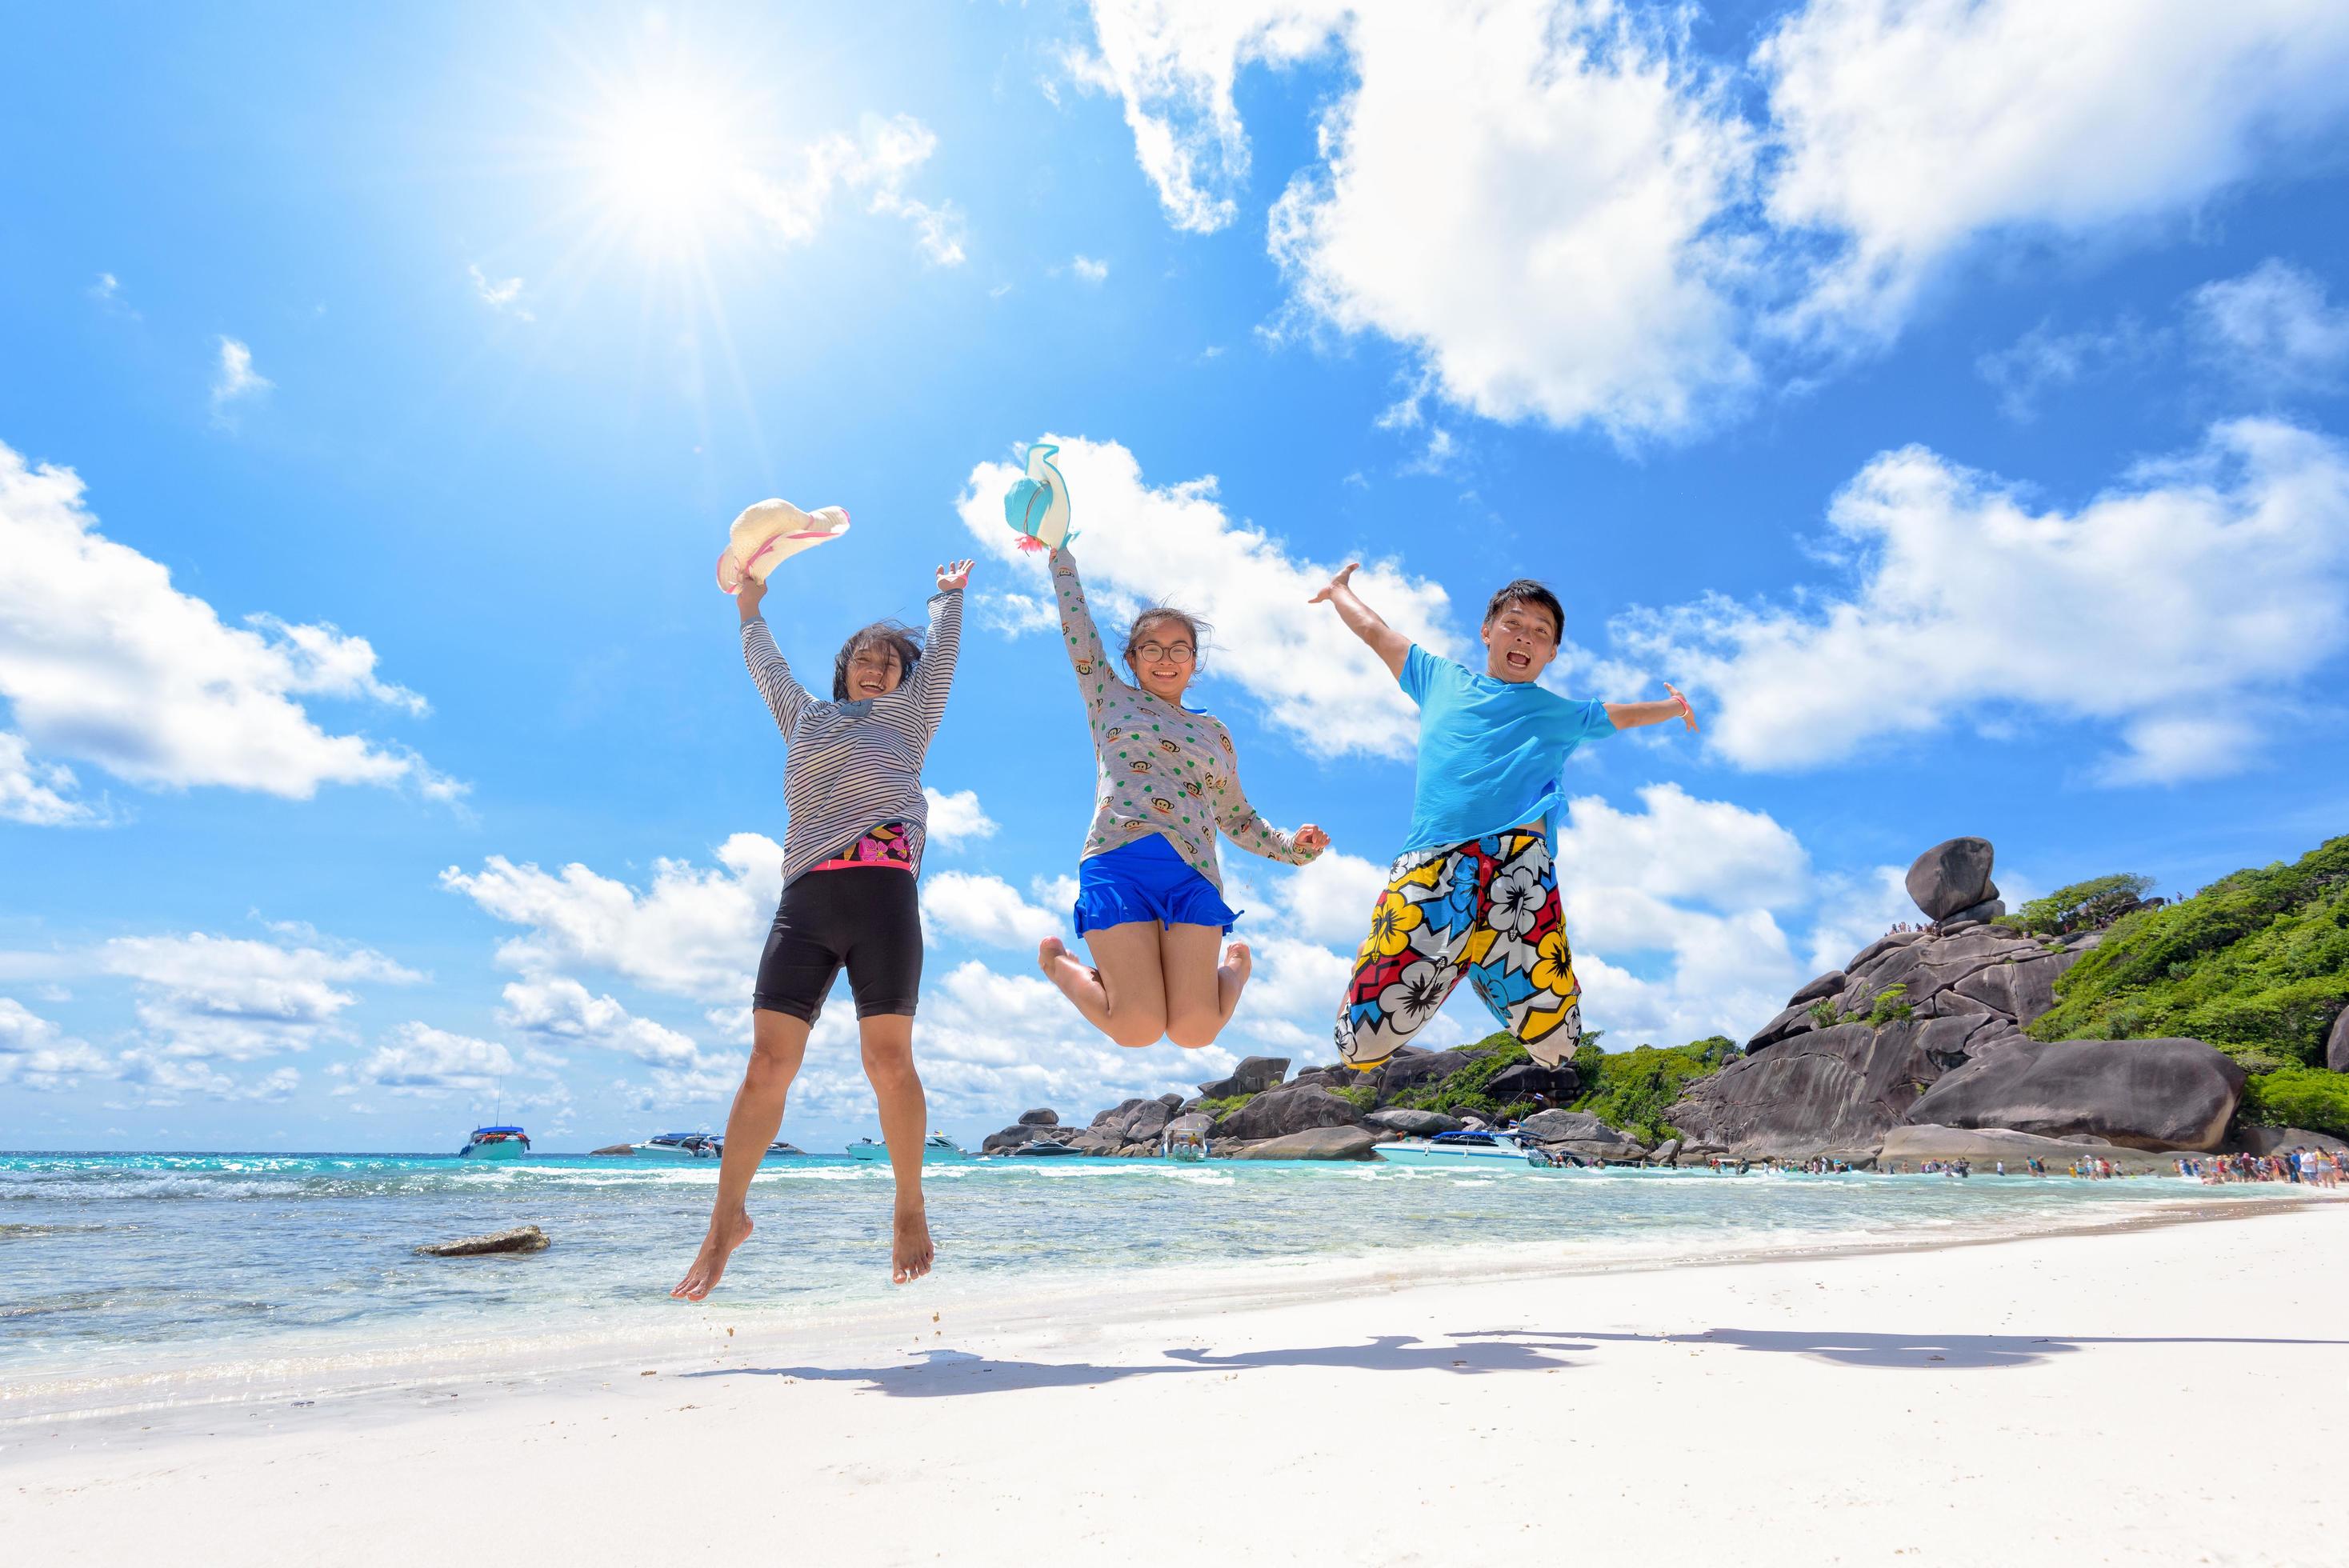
(496, 1143)
(681, 1146)
(1480, 1148)
(938, 1149)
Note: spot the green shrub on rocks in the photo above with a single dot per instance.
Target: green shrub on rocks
(1224, 1107)
(2257, 964)
(1463, 1092)
(2089, 905)
(1629, 1090)
(2307, 1097)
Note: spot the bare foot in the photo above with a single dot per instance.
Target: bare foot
(1051, 954)
(709, 1262)
(1238, 962)
(910, 1252)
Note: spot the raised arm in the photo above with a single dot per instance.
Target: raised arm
(1086, 654)
(1390, 645)
(934, 674)
(1244, 825)
(785, 696)
(1633, 714)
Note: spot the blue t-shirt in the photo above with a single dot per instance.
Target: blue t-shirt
(1490, 750)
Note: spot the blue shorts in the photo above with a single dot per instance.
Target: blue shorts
(1146, 880)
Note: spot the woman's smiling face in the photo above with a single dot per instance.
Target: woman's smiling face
(874, 670)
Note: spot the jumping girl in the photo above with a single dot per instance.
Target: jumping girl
(853, 786)
(1150, 903)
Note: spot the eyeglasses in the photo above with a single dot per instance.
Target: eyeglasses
(1181, 652)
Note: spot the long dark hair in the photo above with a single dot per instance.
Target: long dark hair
(894, 635)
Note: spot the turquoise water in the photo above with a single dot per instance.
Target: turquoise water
(109, 1261)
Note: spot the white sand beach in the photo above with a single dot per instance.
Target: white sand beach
(2163, 1394)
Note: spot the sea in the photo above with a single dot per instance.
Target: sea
(137, 1281)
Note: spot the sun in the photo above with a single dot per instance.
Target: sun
(670, 167)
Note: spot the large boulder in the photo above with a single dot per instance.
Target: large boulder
(1118, 1112)
(2266, 1140)
(1253, 1075)
(1408, 1069)
(1413, 1123)
(1133, 1121)
(1828, 1091)
(1020, 1133)
(1583, 1134)
(522, 1239)
(1092, 1140)
(1044, 1118)
(1314, 1143)
(1951, 876)
(1528, 1079)
(1980, 914)
(1985, 1147)
(2143, 1094)
(1667, 1153)
(2336, 1044)
(1827, 985)
(1278, 1113)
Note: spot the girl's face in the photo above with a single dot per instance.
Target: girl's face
(874, 670)
(1164, 659)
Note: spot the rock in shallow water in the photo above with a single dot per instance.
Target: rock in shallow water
(524, 1239)
(2145, 1094)
(1315, 1143)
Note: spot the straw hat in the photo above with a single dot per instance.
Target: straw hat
(771, 532)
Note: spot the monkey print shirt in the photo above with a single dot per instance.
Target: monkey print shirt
(1164, 769)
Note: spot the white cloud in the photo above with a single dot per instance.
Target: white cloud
(2271, 327)
(36, 1054)
(2181, 598)
(105, 661)
(235, 381)
(1088, 269)
(501, 296)
(693, 932)
(1604, 227)
(1331, 899)
(1910, 128)
(1553, 243)
(985, 909)
(874, 164)
(235, 999)
(36, 792)
(430, 1063)
(2044, 360)
(958, 819)
(1143, 543)
(558, 1008)
(161, 1080)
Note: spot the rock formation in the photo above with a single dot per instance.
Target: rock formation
(2336, 1044)
(1253, 1075)
(522, 1239)
(1927, 1027)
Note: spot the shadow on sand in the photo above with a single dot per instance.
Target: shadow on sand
(933, 1374)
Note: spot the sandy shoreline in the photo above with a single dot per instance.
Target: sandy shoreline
(2153, 1393)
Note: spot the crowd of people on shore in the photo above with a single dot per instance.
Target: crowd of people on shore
(2302, 1166)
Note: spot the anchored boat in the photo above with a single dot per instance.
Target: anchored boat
(1458, 1148)
(496, 1143)
(682, 1146)
(936, 1148)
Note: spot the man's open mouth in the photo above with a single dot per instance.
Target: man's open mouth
(1517, 661)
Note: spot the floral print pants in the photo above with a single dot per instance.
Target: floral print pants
(1488, 910)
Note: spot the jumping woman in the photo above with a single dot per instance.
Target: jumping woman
(853, 786)
(1150, 902)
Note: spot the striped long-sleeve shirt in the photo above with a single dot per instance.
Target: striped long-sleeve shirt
(1161, 768)
(851, 766)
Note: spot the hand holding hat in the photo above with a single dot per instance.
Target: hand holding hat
(771, 532)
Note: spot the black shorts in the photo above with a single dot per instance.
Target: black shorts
(867, 918)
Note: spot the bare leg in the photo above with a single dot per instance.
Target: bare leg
(1200, 996)
(1127, 1002)
(778, 1043)
(889, 1041)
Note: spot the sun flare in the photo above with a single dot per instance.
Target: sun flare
(670, 167)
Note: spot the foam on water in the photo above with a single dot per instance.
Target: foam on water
(168, 1272)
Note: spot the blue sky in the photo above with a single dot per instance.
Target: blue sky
(1964, 434)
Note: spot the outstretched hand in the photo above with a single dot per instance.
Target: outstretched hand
(1311, 840)
(1336, 584)
(747, 595)
(953, 575)
(1688, 714)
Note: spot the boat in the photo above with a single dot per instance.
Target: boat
(1184, 1146)
(682, 1146)
(774, 1149)
(1477, 1148)
(496, 1143)
(938, 1149)
(1044, 1148)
